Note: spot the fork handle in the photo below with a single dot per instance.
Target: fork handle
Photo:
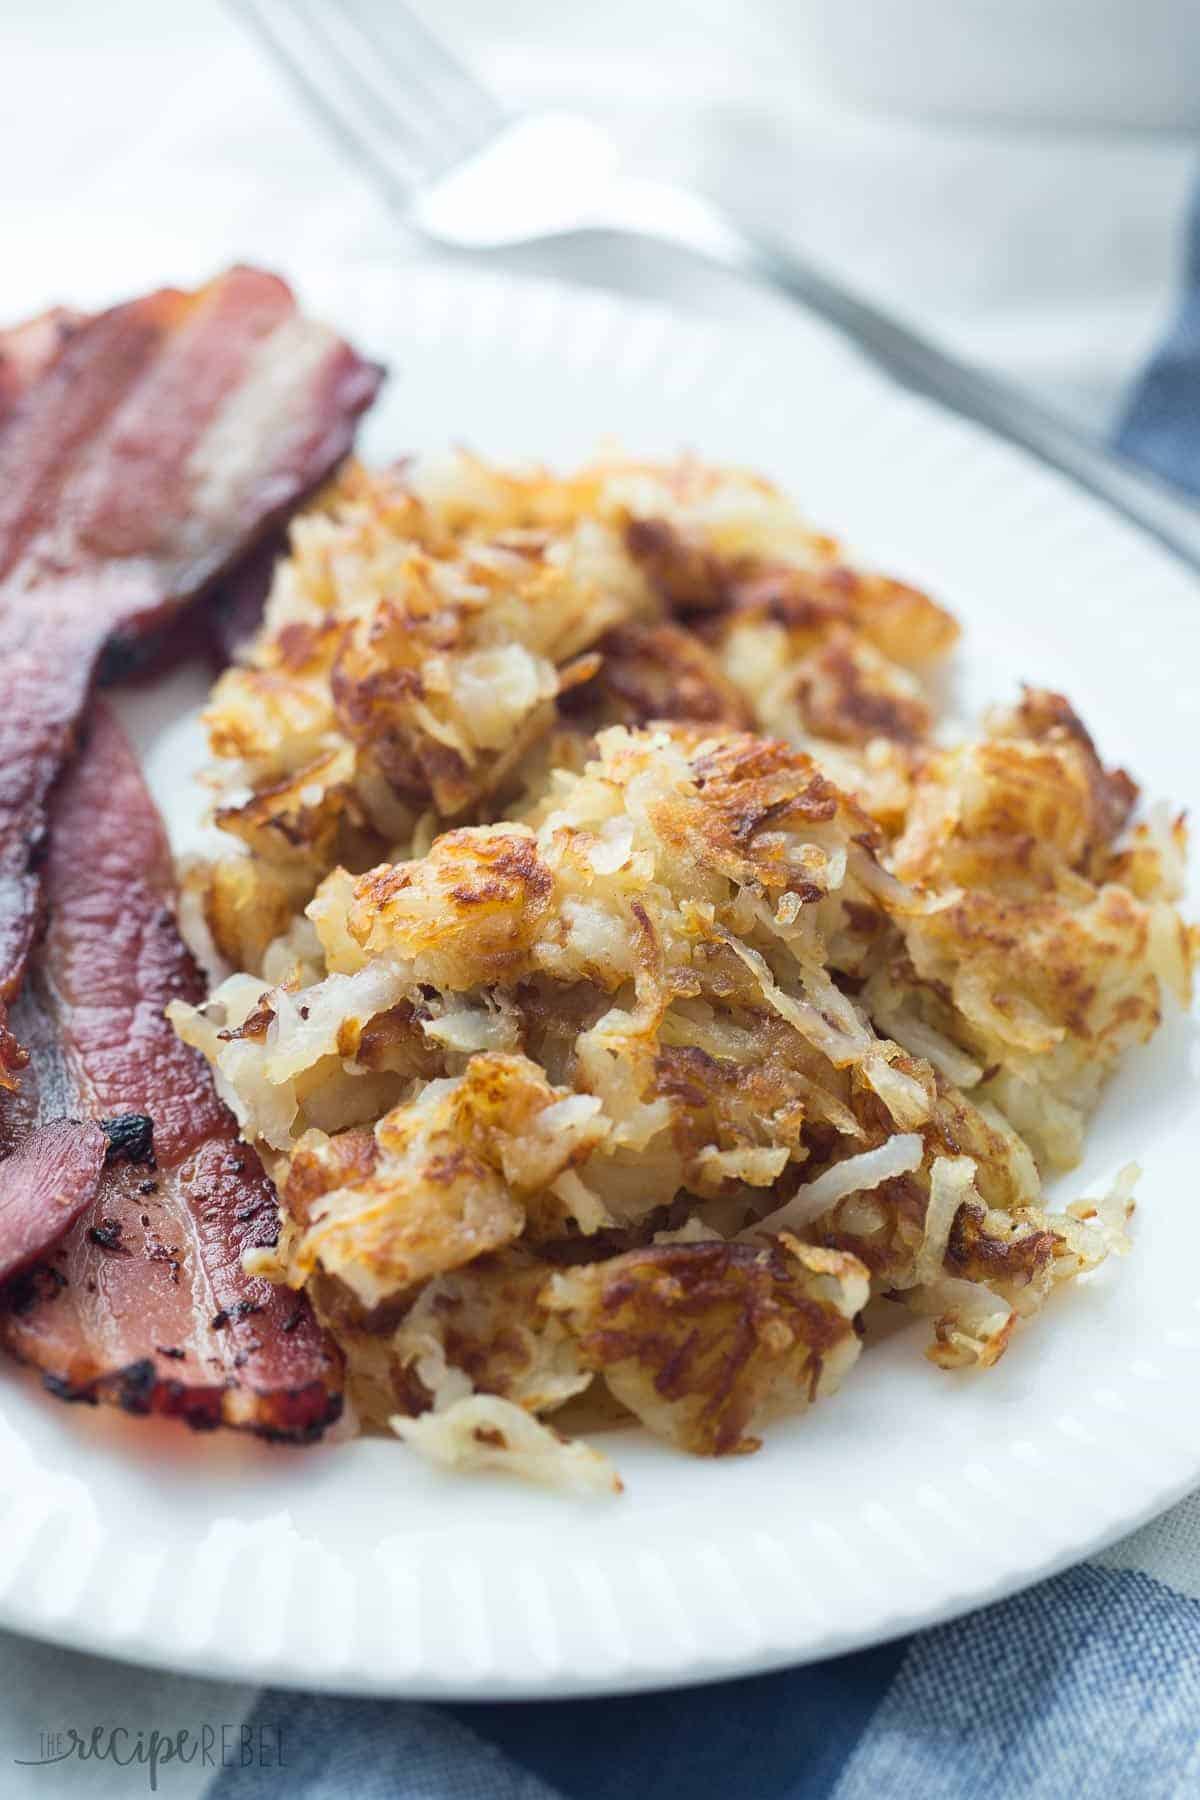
(686, 220)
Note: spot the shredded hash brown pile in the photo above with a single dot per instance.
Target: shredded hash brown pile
(624, 980)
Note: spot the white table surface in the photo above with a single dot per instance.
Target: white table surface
(142, 140)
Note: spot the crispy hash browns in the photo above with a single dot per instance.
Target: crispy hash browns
(626, 985)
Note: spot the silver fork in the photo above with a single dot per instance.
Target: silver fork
(469, 176)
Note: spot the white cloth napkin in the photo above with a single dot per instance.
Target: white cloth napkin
(141, 143)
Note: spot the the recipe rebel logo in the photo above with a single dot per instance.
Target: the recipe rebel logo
(208, 1746)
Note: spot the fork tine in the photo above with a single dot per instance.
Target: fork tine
(403, 133)
(428, 138)
(405, 43)
(293, 46)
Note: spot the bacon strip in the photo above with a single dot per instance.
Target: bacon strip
(235, 609)
(145, 1303)
(44, 1186)
(27, 351)
(142, 453)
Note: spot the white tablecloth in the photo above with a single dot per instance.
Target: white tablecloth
(145, 142)
(141, 140)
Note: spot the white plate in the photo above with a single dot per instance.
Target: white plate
(912, 1496)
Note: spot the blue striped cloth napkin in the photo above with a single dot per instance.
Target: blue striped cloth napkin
(1087, 1685)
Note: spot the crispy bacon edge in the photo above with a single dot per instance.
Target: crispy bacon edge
(180, 1198)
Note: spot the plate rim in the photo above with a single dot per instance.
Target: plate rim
(635, 1680)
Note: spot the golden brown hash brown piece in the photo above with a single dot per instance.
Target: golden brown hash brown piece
(1024, 949)
(431, 630)
(700, 1340)
(626, 982)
